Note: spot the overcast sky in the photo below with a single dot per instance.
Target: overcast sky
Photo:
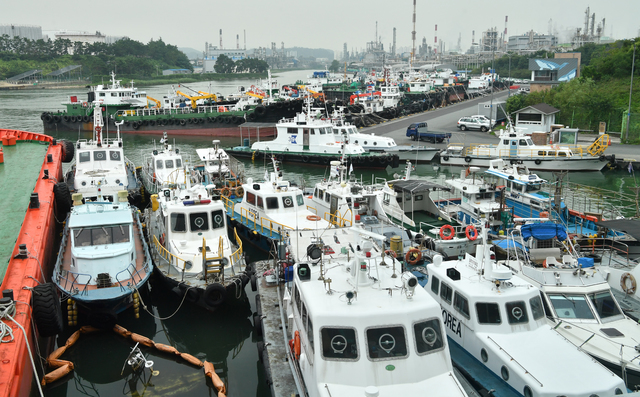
(319, 24)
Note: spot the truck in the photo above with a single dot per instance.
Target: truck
(419, 132)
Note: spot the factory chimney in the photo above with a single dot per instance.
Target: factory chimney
(220, 38)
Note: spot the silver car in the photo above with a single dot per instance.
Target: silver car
(474, 123)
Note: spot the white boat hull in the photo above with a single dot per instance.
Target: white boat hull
(575, 164)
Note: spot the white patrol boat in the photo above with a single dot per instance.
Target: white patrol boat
(103, 260)
(577, 300)
(514, 145)
(216, 162)
(498, 322)
(115, 94)
(163, 167)
(191, 247)
(356, 325)
(263, 211)
(100, 167)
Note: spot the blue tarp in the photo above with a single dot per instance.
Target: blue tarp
(508, 244)
(544, 231)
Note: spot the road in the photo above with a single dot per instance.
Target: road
(445, 120)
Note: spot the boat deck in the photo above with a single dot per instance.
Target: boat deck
(18, 174)
(426, 218)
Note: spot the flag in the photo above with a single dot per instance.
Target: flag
(350, 168)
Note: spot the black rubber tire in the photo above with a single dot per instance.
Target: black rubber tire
(145, 122)
(483, 129)
(85, 118)
(47, 312)
(467, 159)
(68, 151)
(43, 115)
(48, 118)
(463, 128)
(445, 158)
(136, 125)
(152, 122)
(183, 122)
(258, 305)
(65, 118)
(257, 324)
(63, 200)
(260, 110)
(227, 120)
(214, 295)
(251, 116)
(56, 119)
(254, 283)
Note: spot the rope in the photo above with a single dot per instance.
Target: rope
(144, 306)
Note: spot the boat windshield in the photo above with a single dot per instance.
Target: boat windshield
(571, 306)
(86, 237)
(604, 304)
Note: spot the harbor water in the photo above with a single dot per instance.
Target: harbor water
(225, 338)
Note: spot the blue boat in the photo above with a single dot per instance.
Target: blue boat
(104, 260)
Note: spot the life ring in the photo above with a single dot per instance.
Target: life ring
(225, 192)
(413, 256)
(239, 191)
(214, 295)
(313, 217)
(628, 288)
(391, 253)
(467, 159)
(468, 231)
(98, 129)
(85, 104)
(447, 236)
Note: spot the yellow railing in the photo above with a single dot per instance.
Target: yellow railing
(335, 219)
(168, 256)
(262, 226)
(553, 151)
(237, 255)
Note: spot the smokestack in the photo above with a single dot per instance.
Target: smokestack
(435, 43)
(237, 42)
(506, 19)
(245, 39)
(220, 38)
(393, 48)
(473, 37)
(413, 33)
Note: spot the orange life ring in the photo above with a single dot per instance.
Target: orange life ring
(447, 236)
(628, 288)
(85, 104)
(225, 192)
(468, 231)
(313, 217)
(544, 263)
(239, 191)
(413, 256)
(297, 349)
(391, 253)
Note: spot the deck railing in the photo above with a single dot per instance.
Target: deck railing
(169, 257)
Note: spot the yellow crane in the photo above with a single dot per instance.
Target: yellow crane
(157, 102)
(193, 99)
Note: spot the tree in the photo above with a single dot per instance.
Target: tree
(224, 64)
(335, 66)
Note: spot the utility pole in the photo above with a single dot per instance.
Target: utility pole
(633, 64)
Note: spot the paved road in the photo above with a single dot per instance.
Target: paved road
(445, 119)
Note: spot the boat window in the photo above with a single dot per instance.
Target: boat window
(168, 163)
(114, 94)
(339, 343)
(296, 297)
(536, 308)
(291, 130)
(114, 155)
(304, 316)
(260, 202)
(550, 153)
(418, 197)
(532, 187)
(199, 221)
(446, 292)
(272, 203)
(320, 194)
(159, 164)
(104, 235)
(505, 141)
(562, 154)
(571, 306)
(517, 312)
(251, 198)
(310, 131)
(218, 219)
(428, 336)
(605, 304)
(287, 201)
(315, 192)
(178, 163)
(101, 94)
(386, 198)
(461, 304)
(542, 153)
(336, 131)
(386, 342)
(435, 284)
(178, 223)
(321, 131)
(523, 142)
(327, 197)
(529, 142)
(84, 157)
(488, 313)
(545, 305)
(300, 199)
(99, 155)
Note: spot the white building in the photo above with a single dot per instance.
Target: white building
(25, 31)
(84, 37)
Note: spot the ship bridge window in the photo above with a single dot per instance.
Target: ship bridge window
(321, 131)
(260, 202)
(604, 304)
(251, 198)
(435, 284)
(327, 197)
(336, 131)
(83, 157)
(101, 94)
(272, 203)
(199, 222)
(428, 336)
(536, 307)
(178, 223)
(339, 344)
(446, 292)
(517, 312)
(114, 94)
(114, 155)
(386, 198)
(523, 142)
(315, 192)
(571, 306)
(542, 153)
(99, 155)
(85, 237)
(218, 219)
(287, 201)
(533, 187)
(386, 342)
(488, 313)
(505, 141)
(178, 163)
(300, 200)
(292, 130)
(529, 142)
(461, 304)
(159, 164)
(168, 164)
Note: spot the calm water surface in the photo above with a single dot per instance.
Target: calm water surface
(225, 338)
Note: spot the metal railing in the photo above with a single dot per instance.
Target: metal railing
(554, 151)
(169, 257)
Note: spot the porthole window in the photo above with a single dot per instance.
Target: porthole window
(528, 392)
(484, 355)
(504, 371)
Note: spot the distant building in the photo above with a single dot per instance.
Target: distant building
(83, 37)
(167, 72)
(548, 73)
(211, 54)
(531, 42)
(25, 31)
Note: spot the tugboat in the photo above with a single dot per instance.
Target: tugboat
(164, 166)
(104, 259)
(354, 324)
(100, 167)
(192, 251)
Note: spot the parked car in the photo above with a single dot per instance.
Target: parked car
(474, 123)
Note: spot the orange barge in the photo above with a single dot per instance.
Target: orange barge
(32, 165)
